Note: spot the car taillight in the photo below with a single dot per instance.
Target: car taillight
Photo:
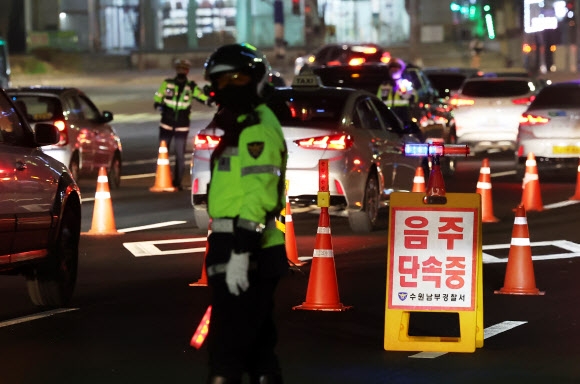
(204, 142)
(457, 101)
(61, 126)
(529, 119)
(385, 57)
(356, 61)
(334, 142)
(524, 100)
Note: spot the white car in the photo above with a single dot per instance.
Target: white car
(550, 129)
(487, 111)
(362, 139)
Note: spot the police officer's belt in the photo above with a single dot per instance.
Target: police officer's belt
(227, 225)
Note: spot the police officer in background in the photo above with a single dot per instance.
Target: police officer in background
(246, 253)
(397, 92)
(173, 99)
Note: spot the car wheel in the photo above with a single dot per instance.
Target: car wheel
(74, 167)
(201, 218)
(520, 171)
(365, 220)
(51, 283)
(114, 175)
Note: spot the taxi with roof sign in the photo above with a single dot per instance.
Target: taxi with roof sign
(359, 135)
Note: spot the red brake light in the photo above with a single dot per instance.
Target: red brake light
(357, 61)
(385, 57)
(528, 119)
(61, 126)
(524, 100)
(457, 101)
(204, 142)
(334, 142)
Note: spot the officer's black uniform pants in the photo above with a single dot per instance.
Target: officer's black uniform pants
(242, 333)
(179, 149)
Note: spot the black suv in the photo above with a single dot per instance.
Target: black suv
(40, 210)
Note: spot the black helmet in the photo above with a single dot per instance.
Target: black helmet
(239, 58)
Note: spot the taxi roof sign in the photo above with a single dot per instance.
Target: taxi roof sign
(307, 79)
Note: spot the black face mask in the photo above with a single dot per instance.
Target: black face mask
(240, 99)
(181, 78)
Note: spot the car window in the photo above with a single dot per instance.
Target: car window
(557, 97)
(12, 132)
(504, 88)
(72, 107)
(365, 116)
(412, 76)
(443, 81)
(390, 120)
(88, 109)
(38, 108)
(311, 110)
(321, 56)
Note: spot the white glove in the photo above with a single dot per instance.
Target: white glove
(237, 272)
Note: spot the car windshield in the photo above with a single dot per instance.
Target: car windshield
(38, 108)
(443, 81)
(493, 88)
(557, 97)
(311, 110)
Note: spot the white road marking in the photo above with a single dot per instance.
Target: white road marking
(150, 226)
(149, 248)
(36, 316)
(572, 248)
(487, 333)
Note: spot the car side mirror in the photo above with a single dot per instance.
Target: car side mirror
(107, 116)
(46, 134)
(412, 128)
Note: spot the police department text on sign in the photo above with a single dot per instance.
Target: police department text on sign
(433, 255)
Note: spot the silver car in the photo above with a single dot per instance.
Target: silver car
(550, 129)
(87, 140)
(362, 139)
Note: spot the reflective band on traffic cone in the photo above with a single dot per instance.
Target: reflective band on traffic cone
(531, 196)
(202, 282)
(163, 175)
(290, 237)
(577, 194)
(322, 293)
(519, 276)
(484, 189)
(103, 218)
(419, 180)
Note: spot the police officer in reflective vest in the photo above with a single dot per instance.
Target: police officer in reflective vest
(246, 253)
(397, 92)
(174, 98)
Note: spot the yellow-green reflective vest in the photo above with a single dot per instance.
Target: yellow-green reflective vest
(248, 180)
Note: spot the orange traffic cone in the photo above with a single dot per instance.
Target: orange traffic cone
(577, 194)
(290, 238)
(484, 189)
(519, 276)
(531, 197)
(419, 180)
(103, 218)
(202, 282)
(322, 293)
(163, 175)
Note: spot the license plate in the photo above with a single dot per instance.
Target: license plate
(565, 150)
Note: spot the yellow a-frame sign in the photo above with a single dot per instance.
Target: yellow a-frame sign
(434, 264)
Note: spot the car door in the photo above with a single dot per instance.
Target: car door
(370, 134)
(28, 187)
(82, 134)
(404, 167)
(103, 136)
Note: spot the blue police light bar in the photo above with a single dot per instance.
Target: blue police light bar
(436, 149)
